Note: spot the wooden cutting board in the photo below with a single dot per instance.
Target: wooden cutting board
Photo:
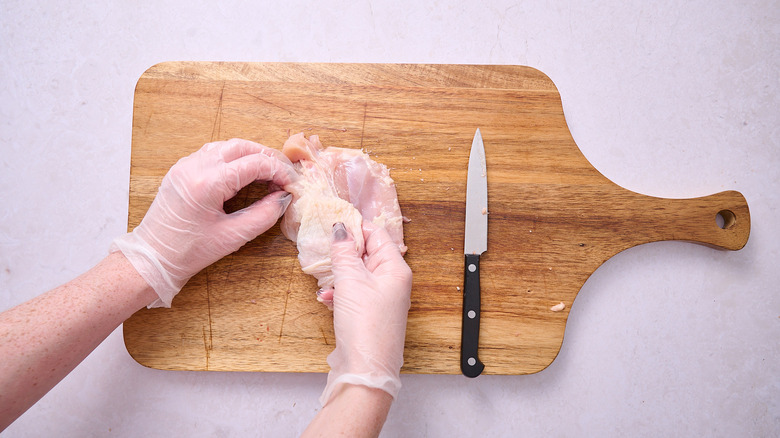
(553, 217)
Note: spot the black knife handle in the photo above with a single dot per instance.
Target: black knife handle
(470, 364)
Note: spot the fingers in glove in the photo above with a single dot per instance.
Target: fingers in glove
(256, 167)
(277, 154)
(258, 217)
(235, 148)
(381, 251)
(343, 254)
(325, 296)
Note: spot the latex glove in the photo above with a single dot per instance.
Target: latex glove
(187, 229)
(371, 300)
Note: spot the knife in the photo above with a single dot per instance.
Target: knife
(475, 243)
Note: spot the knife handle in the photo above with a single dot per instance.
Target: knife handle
(470, 364)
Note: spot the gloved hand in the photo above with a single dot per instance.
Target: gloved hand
(187, 229)
(371, 300)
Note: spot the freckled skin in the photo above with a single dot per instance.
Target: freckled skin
(45, 338)
(336, 418)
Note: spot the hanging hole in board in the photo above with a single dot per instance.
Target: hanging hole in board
(725, 219)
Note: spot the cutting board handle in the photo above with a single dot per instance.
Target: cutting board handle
(721, 220)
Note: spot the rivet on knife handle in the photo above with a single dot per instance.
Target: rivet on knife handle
(470, 365)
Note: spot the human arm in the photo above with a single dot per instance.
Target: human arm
(371, 301)
(353, 411)
(43, 339)
(185, 230)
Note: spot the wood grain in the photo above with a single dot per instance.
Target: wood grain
(553, 218)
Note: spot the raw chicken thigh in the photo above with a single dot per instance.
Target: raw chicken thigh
(336, 185)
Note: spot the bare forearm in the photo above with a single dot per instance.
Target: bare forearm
(354, 411)
(42, 340)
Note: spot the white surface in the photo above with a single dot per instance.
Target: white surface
(674, 99)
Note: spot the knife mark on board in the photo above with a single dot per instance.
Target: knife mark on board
(215, 131)
(363, 128)
(210, 344)
(292, 113)
(286, 299)
(148, 119)
(324, 338)
(206, 347)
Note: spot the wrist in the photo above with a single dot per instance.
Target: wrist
(364, 393)
(355, 410)
(140, 293)
(387, 383)
(147, 265)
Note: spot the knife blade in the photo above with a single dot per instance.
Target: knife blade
(475, 243)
